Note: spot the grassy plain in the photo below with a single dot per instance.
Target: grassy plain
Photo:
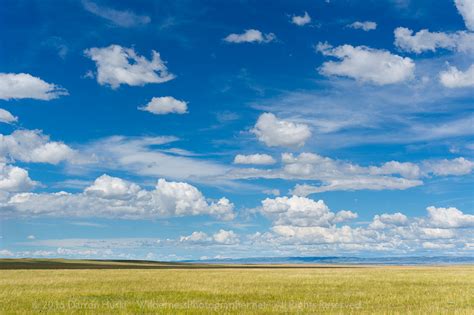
(163, 288)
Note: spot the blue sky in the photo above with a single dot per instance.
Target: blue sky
(199, 129)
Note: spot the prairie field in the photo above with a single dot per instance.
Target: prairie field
(153, 288)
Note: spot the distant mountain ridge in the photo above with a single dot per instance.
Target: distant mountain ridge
(403, 260)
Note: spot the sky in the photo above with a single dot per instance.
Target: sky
(176, 130)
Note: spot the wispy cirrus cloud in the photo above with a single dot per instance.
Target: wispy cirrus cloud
(7, 117)
(366, 114)
(334, 175)
(122, 18)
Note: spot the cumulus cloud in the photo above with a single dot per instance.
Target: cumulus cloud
(165, 105)
(13, 179)
(226, 237)
(33, 146)
(466, 9)
(385, 220)
(365, 26)
(305, 222)
(449, 218)
(301, 211)
(24, 85)
(455, 78)
(222, 237)
(112, 187)
(276, 132)
(197, 237)
(121, 18)
(424, 40)
(366, 64)
(111, 197)
(257, 159)
(250, 36)
(7, 117)
(301, 20)
(118, 65)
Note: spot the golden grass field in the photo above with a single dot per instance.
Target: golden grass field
(204, 289)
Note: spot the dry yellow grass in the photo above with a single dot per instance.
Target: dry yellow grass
(379, 290)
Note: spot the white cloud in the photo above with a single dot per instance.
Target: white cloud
(431, 245)
(226, 237)
(454, 78)
(320, 235)
(196, 238)
(345, 215)
(118, 17)
(366, 64)
(112, 187)
(276, 132)
(406, 169)
(222, 209)
(250, 36)
(341, 175)
(424, 40)
(466, 9)
(257, 159)
(165, 105)
(115, 198)
(394, 114)
(358, 183)
(143, 156)
(449, 218)
(366, 26)
(437, 233)
(301, 20)
(33, 146)
(7, 117)
(305, 222)
(222, 237)
(13, 178)
(274, 192)
(118, 65)
(385, 220)
(24, 85)
(457, 166)
(31, 237)
(301, 211)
